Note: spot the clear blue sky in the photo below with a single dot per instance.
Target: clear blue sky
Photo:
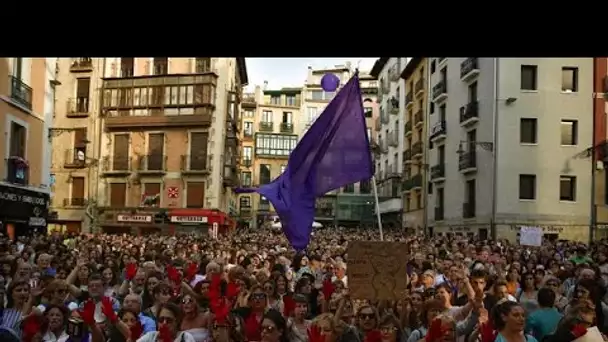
(291, 72)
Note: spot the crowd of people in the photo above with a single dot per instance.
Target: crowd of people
(252, 286)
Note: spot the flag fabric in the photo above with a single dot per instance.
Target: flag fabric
(333, 153)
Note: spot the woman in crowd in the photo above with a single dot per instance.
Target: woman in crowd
(528, 292)
(509, 320)
(169, 320)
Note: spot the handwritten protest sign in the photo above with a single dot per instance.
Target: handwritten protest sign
(377, 270)
(530, 236)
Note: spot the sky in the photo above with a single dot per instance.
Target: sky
(291, 72)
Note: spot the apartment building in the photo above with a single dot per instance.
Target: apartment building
(353, 205)
(169, 151)
(509, 156)
(599, 153)
(390, 138)
(415, 165)
(26, 121)
(269, 128)
(75, 140)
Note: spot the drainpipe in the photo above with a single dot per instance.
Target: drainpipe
(495, 149)
(425, 160)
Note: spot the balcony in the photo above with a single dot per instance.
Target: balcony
(17, 171)
(419, 87)
(286, 127)
(468, 210)
(78, 107)
(245, 211)
(416, 182)
(377, 124)
(440, 91)
(419, 118)
(248, 135)
(152, 164)
(469, 114)
(467, 162)
(417, 149)
(408, 128)
(159, 101)
(469, 69)
(439, 131)
(21, 93)
(81, 64)
(195, 164)
(247, 162)
(393, 139)
(75, 159)
(263, 206)
(248, 101)
(75, 202)
(266, 126)
(438, 213)
(231, 175)
(409, 100)
(393, 106)
(438, 173)
(116, 165)
(407, 158)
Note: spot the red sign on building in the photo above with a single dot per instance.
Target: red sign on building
(173, 192)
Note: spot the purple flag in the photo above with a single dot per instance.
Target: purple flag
(333, 153)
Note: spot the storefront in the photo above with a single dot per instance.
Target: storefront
(22, 211)
(201, 221)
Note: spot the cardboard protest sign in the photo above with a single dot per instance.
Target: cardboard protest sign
(377, 270)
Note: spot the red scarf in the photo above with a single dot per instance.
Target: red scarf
(253, 328)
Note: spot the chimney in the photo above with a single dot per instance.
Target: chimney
(265, 85)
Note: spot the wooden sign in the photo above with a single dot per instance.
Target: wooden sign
(377, 270)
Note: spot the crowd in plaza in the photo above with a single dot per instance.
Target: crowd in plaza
(252, 286)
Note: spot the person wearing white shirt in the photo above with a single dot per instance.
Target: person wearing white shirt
(340, 273)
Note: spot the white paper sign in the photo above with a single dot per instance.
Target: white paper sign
(530, 236)
(592, 335)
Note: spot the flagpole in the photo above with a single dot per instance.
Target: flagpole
(377, 207)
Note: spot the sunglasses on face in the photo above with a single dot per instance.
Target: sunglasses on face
(258, 296)
(268, 329)
(366, 316)
(187, 300)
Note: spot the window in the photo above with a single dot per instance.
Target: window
(248, 128)
(433, 66)
(118, 195)
(527, 131)
(264, 174)
(365, 187)
(267, 116)
(567, 188)
(150, 196)
(419, 199)
(312, 114)
(570, 79)
(432, 109)
(83, 86)
(290, 100)
(245, 202)
(569, 132)
(349, 189)
(527, 187)
(202, 65)
(156, 151)
(247, 152)
(161, 65)
(283, 167)
(275, 144)
(528, 77)
(275, 100)
(369, 133)
(127, 66)
(248, 113)
(17, 140)
(246, 178)
(77, 196)
(198, 151)
(195, 194)
(287, 117)
(473, 92)
(315, 95)
(368, 111)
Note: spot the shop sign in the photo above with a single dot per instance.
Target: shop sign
(134, 218)
(189, 219)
